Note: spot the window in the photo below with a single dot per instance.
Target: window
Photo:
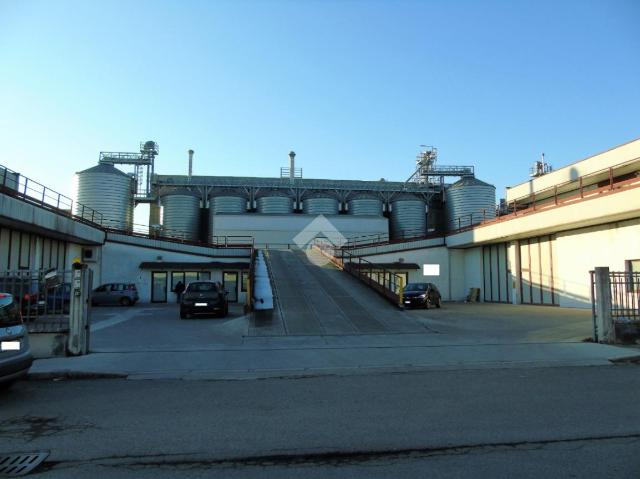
(190, 277)
(245, 282)
(176, 276)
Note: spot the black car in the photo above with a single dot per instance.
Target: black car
(421, 295)
(203, 298)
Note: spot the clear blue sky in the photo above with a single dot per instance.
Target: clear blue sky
(353, 87)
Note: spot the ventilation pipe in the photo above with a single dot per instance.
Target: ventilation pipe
(292, 165)
(190, 163)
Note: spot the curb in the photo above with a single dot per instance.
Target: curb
(65, 374)
(635, 359)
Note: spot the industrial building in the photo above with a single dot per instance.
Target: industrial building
(551, 231)
(269, 212)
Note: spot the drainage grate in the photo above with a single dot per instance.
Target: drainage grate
(20, 464)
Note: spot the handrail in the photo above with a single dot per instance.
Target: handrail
(392, 286)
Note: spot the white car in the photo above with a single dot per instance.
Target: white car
(15, 352)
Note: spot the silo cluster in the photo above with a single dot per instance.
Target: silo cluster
(180, 213)
(408, 217)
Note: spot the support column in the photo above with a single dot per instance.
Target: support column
(604, 321)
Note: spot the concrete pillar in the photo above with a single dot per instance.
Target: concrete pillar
(605, 328)
(79, 310)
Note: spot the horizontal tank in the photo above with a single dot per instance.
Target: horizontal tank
(408, 217)
(321, 204)
(180, 214)
(469, 201)
(107, 190)
(365, 205)
(274, 203)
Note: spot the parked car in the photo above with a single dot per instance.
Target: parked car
(125, 294)
(203, 298)
(421, 295)
(26, 292)
(15, 352)
(58, 299)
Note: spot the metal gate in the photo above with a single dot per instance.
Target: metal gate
(536, 271)
(496, 273)
(621, 305)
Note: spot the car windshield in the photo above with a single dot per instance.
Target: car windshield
(416, 287)
(201, 287)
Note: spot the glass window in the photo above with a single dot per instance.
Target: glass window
(190, 277)
(205, 276)
(117, 287)
(245, 281)
(176, 276)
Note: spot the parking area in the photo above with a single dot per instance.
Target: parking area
(150, 327)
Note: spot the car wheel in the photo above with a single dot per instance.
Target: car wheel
(439, 303)
(125, 302)
(182, 315)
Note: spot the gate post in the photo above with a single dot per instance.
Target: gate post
(79, 309)
(604, 320)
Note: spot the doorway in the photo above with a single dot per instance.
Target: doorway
(159, 287)
(230, 284)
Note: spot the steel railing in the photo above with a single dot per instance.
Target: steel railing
(387, 283)
(44, 294)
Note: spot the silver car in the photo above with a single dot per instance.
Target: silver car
(124, 294)
(15, 352)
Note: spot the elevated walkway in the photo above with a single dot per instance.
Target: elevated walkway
(313, 297)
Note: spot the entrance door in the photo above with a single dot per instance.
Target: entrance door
(496, 276)
(536, 271)
(159, 287)
(230, 284)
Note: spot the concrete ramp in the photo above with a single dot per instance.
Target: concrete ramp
(315, 298)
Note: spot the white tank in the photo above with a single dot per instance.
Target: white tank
(180, 214)
(469, 201)
(275, 203)
(107, 190)
(365, 205)
(320, 204)
(408, 217)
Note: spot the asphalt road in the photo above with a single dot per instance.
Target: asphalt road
(537, 422)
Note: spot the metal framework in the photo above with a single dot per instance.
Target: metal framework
(142, 164)
(428, 173)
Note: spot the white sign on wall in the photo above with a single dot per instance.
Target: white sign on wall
(431, 269)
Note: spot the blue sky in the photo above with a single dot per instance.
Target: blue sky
(353, 87)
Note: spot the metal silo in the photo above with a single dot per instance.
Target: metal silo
(275, 202)
(225, 202)
(107, 190)
(365, 205)
(320, 203)
(469, 201)
(408, 217)
(180, 213)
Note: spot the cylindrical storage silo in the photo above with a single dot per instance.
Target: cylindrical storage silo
(469, 201)
(408, 217)
(320, 203)
(225, 202)
(274, 202)
(365, 205)
(107, 190)
(180, 213)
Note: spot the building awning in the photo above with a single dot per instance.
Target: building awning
(187, 266)
(396, 265)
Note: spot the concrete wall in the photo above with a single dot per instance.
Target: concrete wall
(121, 263)
(283, 229)
(578, 252)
